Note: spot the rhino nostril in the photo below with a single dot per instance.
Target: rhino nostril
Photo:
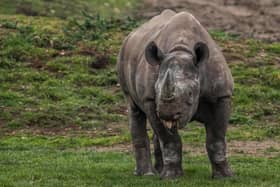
(190, 94)
(168, 99)
(177, 116)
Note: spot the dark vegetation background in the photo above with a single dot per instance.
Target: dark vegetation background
(63, 119)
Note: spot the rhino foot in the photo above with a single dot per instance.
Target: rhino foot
(221, 170)
(146, 172)
(171, 173)
(159, 167)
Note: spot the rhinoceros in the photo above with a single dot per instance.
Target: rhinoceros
(172, 72)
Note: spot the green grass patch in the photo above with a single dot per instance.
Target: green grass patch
(256, 94)
(31, 142)
(56, 73)
(273, 48)
(195, 133)
(52, 76)
(223, 36)
(42, 167)
(64, 9)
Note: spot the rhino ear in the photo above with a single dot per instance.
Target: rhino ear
(153, 54)
(201, 52)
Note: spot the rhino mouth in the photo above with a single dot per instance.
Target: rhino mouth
(171, 126)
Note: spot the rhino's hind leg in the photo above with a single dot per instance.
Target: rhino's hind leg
(158, 154)
(216, 127)
(140, 141)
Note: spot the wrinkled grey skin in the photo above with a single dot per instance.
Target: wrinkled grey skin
(172, 72)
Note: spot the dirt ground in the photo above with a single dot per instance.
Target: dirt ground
(248, 18)
(266, 148)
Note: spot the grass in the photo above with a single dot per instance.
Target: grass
(63, 8)
(59, 97)
(26, 142)
(51, 167)
(58, 72)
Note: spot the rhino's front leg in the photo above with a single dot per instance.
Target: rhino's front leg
(216, 127)
(170, 145)
(140, 141)
(172, 156)
(158, 154)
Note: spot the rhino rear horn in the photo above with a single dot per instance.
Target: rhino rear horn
(201, 52)
(153, 54)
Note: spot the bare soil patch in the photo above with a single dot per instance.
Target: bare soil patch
(266, 148)
(259, 19)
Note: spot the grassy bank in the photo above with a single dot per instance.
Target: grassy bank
(64, 9)
(59, 73)
(59, 99)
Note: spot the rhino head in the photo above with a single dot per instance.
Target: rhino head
(177, 87)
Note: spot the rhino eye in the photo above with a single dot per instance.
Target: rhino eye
(189, 102)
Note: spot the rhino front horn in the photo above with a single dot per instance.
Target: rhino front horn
(168, 88)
